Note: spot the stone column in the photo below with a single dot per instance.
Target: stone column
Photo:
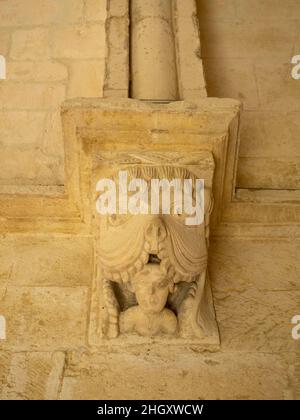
(153, 56)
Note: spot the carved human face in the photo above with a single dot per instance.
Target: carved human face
(151, 288)
(127, 242)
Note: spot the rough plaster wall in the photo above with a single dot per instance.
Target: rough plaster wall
(247, 47)
(55, 50)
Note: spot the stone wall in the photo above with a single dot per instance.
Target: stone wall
(247, 48)
(54, 50)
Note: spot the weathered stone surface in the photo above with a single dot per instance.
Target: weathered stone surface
(268, 9)
(187, 375)
(44, 318)
(30, 33)
(247, 39)
(226, 78)
(33, 96)
(270, 134)
(277, 89)
(32, 44)
(86, 79)
(21, 127)
(18, 13)
(45, 261)
(43, 71)
(17, 166)
(216, 9)
(78, 42)
(247, 47)
(260, 300)
(96, 10)
(30, 376)
(53, 49)
(4, 41)
(269, 173)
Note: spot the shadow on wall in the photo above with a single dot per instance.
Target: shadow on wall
(247, 55)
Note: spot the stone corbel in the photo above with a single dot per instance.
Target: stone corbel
(134, 252)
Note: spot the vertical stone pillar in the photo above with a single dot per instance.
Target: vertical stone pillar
(153, 53)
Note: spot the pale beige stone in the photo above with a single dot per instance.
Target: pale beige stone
(190, 68)
(4, 41)
(216, 9)
(142, 264)
(31, 376)
(188, 374)
(17, 167)
(117, 59)
(40, 12)
(21, 127)
(32, 44)
(232, 78)
(247, 39)
(153, 57)
(46, 250)
(35, 71)
(118, 8)
(53, 138)
(96, 10)
(78, 42)
(86, 79)
(31, 96)
(268, 9)
(272, 133)
(269, 173)
(277, 89)
(44, 318)
(45, 261)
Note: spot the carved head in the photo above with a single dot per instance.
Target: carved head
(128, 244)
(151, 287)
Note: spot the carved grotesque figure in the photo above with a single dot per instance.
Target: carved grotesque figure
(150, 317)
(152, 270)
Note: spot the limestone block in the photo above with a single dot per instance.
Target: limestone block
(117, 61)
(246, 39)
(269, 9)
(190, 69)
(273, 134)
(216, 9)
(96, 9)
(153, 57)
(118, 8)
(4, 41)
(67, 11)
(272, 311)
(86, 79)
(44, 318)
(233, 78)
(79, 42)
(28, 130)
(45, 261)
(277, 89)
(269, 173)
(137, 374)
(35, 71)
(40, 12)
(17, 167)
(21, 96)
(32, 44)
(274, 264)
(186, 9)
(52, 136)
(30, 376)
(257, 287)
